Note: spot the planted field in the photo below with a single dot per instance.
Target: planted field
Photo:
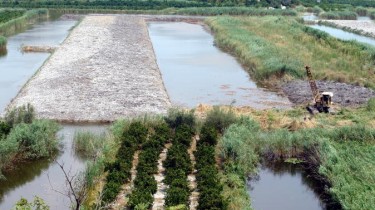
(276, 49)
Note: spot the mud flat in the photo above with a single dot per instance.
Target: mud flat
(364, 27)
(348, 95)
(105, 69)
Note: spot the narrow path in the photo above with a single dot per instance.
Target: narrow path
(121, 200)
(159, 196)
(193, 198)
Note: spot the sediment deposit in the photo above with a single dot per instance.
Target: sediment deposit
(106, 69)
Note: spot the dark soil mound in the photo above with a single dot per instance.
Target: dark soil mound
(299, 92)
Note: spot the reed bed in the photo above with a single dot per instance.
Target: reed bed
(279, 48)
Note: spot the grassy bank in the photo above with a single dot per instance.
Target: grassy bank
(20, 22)
(275, 49)
(202, 11)
(336, 150)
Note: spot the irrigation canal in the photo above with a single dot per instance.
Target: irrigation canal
(195, 71)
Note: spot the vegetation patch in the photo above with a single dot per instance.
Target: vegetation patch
(23, 139)
(280, 47)
(119, 170)
(144, 183)
(178, 164)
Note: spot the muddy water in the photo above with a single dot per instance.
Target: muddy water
(283, 187)
(17, 67)
(195, 71)
(44, 177)
(344, 35)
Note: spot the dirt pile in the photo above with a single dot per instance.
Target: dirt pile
(299, 92)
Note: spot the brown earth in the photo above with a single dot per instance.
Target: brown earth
(346, 95)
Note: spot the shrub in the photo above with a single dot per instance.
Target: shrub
(178, 117)
(145, 184)
(176, 196)
(119, 171)
(208, 135)
(35, 140)
(23, 114)
(4, 129)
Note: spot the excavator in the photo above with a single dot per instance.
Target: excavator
(322, 100)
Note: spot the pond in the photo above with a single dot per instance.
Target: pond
(44, 178)
(283, 187)
(17, 67)
(194, 71)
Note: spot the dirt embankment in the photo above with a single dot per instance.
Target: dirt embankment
(299, 92)
(105, 70)
(364, 27)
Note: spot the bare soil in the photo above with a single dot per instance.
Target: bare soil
(159, 196)
(105, 70)
(192, 179)
(121, 200)
(346, 95)
(366, 27)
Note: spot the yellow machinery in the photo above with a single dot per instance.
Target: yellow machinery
(323, 100)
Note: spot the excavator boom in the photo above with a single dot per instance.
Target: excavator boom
(313, 86)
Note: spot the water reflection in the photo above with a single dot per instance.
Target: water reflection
(41, 178)
(195, 71)
(17, 67)
(344, 35)
(284, 186)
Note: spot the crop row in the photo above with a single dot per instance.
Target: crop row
(178, 164)
(209, 186)
(119, 171)
(144, 184)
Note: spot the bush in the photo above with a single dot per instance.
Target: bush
(119, 171)
(145, 184)
(36, 140)
(23, 114)
(209, 186)
(178, 117)
(4, 129)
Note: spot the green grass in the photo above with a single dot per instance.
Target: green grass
(280, 47)
(344, 155)
(89, 144)
(248, 11)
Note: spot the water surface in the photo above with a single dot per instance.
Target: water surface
(195, 71)
(283, 187)
(344, 35)
(17, 67)
(44, 178)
